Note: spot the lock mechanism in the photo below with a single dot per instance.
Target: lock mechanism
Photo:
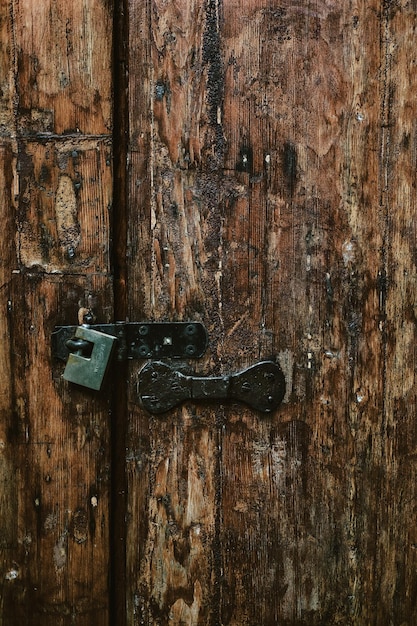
(161, 387)
(88, 349)
(88, 364)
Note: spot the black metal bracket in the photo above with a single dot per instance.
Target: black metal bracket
(142, 340)
(161, 387)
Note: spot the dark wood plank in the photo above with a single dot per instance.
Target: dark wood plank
(9, 566)
(394, 592)
(57, 81)
(60, 440)
(171, 461)
(8, 476)
(62, 54)
(301, 119)
(273, 170)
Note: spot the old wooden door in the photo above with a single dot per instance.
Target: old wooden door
(251, 165)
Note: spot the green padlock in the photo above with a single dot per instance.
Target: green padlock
(89, 370)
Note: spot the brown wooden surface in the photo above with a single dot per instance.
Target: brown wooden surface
(56, 202)
(270, 193)
(271, 196)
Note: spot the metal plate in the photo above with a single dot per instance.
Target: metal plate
(143, 340)
(161, 387)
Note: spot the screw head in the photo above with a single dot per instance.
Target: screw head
(190, 330)
(143, 350)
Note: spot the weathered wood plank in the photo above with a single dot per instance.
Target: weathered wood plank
(9, 569)
(64, 205)
(310, 245)
(269, 163)
(63, 59)
(138, 294)
(172, 275)
(395, 558)
(60, 440)
(56, 79)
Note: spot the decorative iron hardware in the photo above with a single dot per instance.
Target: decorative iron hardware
(141, 340)
(161, 387)
(88, 349)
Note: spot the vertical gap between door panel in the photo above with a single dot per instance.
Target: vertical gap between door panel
(119, 243)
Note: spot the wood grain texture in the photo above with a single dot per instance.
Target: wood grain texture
(395, 548)
(56, 187)
(64, 205)
(8, 478)
(284, 105)
(60, 441)
(170, 463)
(62, 57)
(272, 155)
(270, 193)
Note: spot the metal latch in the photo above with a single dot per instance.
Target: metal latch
(161, 387)
(88, 349)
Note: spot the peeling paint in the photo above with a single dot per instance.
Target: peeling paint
(349, 252)
(60, 552)
(286, 361)
(66, 215)
(12, 574)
